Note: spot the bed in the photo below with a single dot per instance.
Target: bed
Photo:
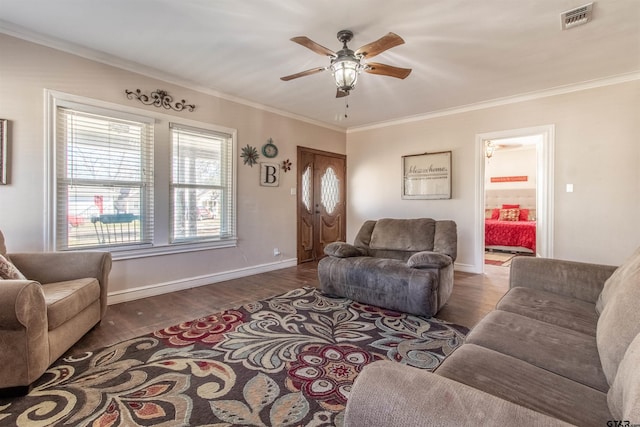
(510, 220)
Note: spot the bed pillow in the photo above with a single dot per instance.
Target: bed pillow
(509, 214)
(8, 271)
(495, 213)
(510, 206)
(524, 215)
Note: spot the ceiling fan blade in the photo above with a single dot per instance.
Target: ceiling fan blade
(342, 93)
(310, 44)
(387, 70)
(303, 73)
(374, 48)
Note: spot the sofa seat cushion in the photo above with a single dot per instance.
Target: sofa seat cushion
(552, 308)
(65, 300)
(522, 383)
(563, 351)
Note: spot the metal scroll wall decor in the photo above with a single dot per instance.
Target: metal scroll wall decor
(159, 98)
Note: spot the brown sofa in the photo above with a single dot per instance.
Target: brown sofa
(562, 347)
(400, 264)
(41, 317)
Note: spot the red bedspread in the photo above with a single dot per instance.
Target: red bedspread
(510, 233)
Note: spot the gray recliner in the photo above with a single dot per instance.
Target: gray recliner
(404, 265)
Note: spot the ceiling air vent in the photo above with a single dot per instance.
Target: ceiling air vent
(578, 16)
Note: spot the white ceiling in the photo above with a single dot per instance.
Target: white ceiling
(462, 52)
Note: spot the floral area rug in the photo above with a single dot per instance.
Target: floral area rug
(286, 361)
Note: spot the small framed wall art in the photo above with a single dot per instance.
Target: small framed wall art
(3, 151)
(426, 176)
(269, 174)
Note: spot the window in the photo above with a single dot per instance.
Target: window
(202, 191)
(104, 178)
(103, 191)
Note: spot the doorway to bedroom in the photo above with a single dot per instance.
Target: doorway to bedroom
(514, 213)
(510, 199)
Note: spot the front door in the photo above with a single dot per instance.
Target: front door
(321, 202)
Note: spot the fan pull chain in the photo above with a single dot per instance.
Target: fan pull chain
(346, 106)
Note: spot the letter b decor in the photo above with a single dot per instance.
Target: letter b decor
(269, 174)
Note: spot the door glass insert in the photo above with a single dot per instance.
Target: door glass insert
(329, 190)
(306, 188)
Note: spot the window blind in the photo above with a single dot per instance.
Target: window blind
(202, 185)
(104, 179)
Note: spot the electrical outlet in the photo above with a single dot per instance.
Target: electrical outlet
(276, 252)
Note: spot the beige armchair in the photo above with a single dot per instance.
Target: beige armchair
(63, 297)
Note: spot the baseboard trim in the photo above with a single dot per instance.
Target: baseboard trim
(465, 268)
(194, 282)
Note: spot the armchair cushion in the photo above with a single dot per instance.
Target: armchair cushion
(9, 271)
(427, 259)
(66, 299)
(343, 250)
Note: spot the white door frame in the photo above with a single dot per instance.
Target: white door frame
(544, 188)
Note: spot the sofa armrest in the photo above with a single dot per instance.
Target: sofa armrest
(50, 267)
(343, 250)
(21, 303)
(390, 394)
(24, 353)
(579, 280)
(427, 259)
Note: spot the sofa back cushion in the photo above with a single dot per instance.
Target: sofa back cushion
(619, 320)
(612, 284)
(445, 240)
(624, 395)
(411, 235)
(363, 238)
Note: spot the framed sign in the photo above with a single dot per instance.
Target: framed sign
(509, 178)
(426, 176)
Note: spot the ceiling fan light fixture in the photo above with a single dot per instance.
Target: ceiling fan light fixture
(345, 71)
(347, 64)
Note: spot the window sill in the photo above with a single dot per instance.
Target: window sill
(119, 254)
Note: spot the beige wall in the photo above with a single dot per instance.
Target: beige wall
(266, 215)
(518, 162)
(597, 149)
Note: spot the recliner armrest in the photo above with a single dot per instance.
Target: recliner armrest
(428, 259)
(343, 250)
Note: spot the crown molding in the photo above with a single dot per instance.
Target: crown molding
(559, 90)
(111, 60)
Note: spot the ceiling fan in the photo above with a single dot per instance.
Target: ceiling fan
(347, 64)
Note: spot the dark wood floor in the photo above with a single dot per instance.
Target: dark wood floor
(474, 295)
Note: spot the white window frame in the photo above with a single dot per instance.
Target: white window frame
(162, 163)
(227, 185)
